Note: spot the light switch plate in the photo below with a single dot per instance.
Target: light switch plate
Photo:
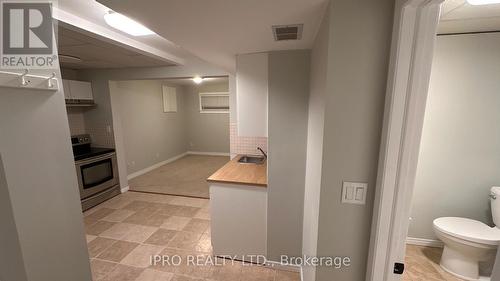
(354, 192)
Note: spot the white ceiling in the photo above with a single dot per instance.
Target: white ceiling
(217, 30)
(95, 53)
(87, 16)
(459, 16)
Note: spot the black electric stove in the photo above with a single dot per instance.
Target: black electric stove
(82, 148)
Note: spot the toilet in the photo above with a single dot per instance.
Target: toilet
(468, 242)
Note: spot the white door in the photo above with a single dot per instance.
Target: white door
(80, 90)
(406, 96)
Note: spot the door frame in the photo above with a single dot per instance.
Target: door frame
(413, 39)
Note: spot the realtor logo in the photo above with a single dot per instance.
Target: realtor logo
(27, 35)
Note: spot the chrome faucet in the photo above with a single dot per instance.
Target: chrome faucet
(265, 155)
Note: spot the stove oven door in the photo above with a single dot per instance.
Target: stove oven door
(96, 174)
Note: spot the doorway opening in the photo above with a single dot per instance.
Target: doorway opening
(175, 132)
(438, 148)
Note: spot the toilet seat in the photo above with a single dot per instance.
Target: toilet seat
(469, 230)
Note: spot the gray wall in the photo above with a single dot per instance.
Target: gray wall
(316, 116)
(206, 132)
(287, 123)
(356, 76)
(460, 150)
(41, 180)
(11, 260)
(150, 135)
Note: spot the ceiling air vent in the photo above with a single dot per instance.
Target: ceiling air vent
(287, 32)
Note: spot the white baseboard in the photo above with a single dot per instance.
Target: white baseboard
(424, 242)
(287, 267)
(125, 189)
(208, 153)
(157, 165)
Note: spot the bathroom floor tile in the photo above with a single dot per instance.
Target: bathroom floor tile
(422, 263)
(101, 268)
(175, 223)
(141, 256)
(124, 232)
(197, 226)
(154, 275)
(118, 251)
(161, 237)
(98, 227)
(118, 215)
(99, 245)
(124, 273)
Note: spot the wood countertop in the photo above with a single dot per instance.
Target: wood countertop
(239, 173)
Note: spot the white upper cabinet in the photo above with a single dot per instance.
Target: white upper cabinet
(252, 94)
(77, 90)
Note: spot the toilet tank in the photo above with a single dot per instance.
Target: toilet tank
(495, 205)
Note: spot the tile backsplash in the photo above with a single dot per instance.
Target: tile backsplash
(245, 145)
(101, 134)
(76, 121)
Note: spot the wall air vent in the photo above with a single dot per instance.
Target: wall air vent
(287, 32)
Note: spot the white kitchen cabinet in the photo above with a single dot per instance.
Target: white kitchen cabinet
(77, 90)
(238, 220)
(80, 90)
(252, 94)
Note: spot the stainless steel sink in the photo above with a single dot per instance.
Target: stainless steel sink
(247, 159)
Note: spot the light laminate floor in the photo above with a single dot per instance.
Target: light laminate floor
(185, 176)
(422, 264)
(125, 231)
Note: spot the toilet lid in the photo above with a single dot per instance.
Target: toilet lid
(470, 230)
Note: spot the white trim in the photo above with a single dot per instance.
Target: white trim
(414, 34)
(424, 242)
(285, 267)
(125, 189)
(157, 165)
(208, 153)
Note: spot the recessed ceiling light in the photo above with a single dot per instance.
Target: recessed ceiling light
(197, 79)
(483, 2)
(126, 25)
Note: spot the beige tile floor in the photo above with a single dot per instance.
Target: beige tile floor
(125, 231)
(422, 264)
